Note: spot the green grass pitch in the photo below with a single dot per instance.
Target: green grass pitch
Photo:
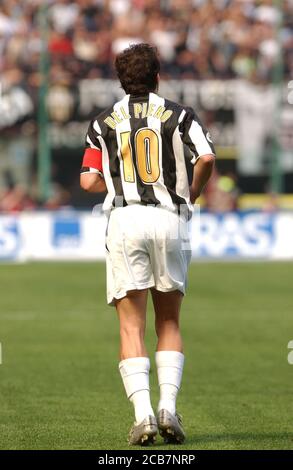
(59, 381)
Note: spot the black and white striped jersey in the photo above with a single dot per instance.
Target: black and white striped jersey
(141, 142)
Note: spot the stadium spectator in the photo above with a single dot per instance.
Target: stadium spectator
(15, 199)
(195, 38)
(221, 194)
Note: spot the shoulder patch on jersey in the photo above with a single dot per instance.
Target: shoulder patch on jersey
(209, 137)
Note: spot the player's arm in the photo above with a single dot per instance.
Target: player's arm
(92, 182)
(201, 174)
(91, 173)
(202, 151)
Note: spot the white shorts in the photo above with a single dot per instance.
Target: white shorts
(146, 247)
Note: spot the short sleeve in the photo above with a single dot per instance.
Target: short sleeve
(194, 135)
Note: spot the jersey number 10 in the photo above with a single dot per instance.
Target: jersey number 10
(147, 148)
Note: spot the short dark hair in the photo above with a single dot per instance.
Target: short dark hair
(137, 68)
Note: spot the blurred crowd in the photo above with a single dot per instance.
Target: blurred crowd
(196, 39)
(199, 39)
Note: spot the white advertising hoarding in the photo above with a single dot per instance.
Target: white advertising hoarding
(70, 235)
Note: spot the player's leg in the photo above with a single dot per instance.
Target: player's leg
(170, 256)
(134, 363)
(129, 276)
(169, 355)
(167, 310)
(169, 361)
(131, 312)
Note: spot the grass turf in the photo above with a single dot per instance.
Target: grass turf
(59, 381)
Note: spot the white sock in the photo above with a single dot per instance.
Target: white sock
(135, 376)
(170, 367)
